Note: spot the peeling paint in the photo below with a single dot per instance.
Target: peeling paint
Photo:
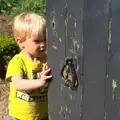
(71, 17)
(71, 97)
(49, 115)
(106, 75)
(72, 51)
(66, 24)
(60, 39)
(109, 34)
(105, 116)
(64, 110)
(55, 34)
(69, 111)
(66, 20)
(75, 25)
(54, 47)
(114, 86)
(109, 27)
(46, 33)
(62, 86)
(76, 44)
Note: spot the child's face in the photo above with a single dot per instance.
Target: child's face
(35, 46)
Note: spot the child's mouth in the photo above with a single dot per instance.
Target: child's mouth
(41, 50)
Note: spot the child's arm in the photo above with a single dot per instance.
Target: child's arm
(24, 84)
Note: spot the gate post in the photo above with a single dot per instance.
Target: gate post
(77, 31)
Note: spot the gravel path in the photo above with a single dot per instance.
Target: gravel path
(4, 93)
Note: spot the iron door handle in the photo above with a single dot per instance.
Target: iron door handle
(68, 73)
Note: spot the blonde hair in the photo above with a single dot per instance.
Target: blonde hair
(27, 23)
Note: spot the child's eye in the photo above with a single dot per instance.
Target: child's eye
(37, 41)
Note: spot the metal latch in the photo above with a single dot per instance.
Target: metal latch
(68, 73)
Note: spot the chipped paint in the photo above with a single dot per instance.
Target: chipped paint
(69, 111)
(66, 15)
(49, 116)
(54, 47)
(73, 38)
(46, 33)
(114, 86)
(62, 86)
(55, 34)
(76, 44)
(72, 51)
(66, 24)
(60, 39)
(71, 17)
(107, 76)
(66, 20)
(75, 41)
(109, 27)
(71, 97)
(109, 34)
(75, 25)
(64, 110)
(105, 116)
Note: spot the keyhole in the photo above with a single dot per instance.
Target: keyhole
(53, 24)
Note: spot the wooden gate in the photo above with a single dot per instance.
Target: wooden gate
(84, 54)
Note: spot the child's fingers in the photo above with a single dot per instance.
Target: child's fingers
(47, 71)
(48, 77)
(45, 66)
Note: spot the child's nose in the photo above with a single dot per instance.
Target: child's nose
(42, 45)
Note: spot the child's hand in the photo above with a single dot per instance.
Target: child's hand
(44, 76)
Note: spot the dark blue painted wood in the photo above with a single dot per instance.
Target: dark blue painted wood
(64, 40)
(113, 91)
(94, 58)
(56, 57)
(70, 24)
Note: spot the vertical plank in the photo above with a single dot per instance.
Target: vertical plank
(56, 57)
(94, 58)
(64, 40)
(113, 87)
(74, 46)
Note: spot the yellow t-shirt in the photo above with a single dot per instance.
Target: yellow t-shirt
(26, 105)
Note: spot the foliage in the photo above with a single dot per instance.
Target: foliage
(8, 48)
(14, 7)
(7, 6)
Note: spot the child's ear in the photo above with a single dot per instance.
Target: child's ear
(20, 42)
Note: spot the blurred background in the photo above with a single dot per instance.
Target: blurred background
(8, 47)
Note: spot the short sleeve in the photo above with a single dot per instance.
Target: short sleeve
(14, 68)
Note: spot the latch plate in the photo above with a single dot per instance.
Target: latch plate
(68, 73)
